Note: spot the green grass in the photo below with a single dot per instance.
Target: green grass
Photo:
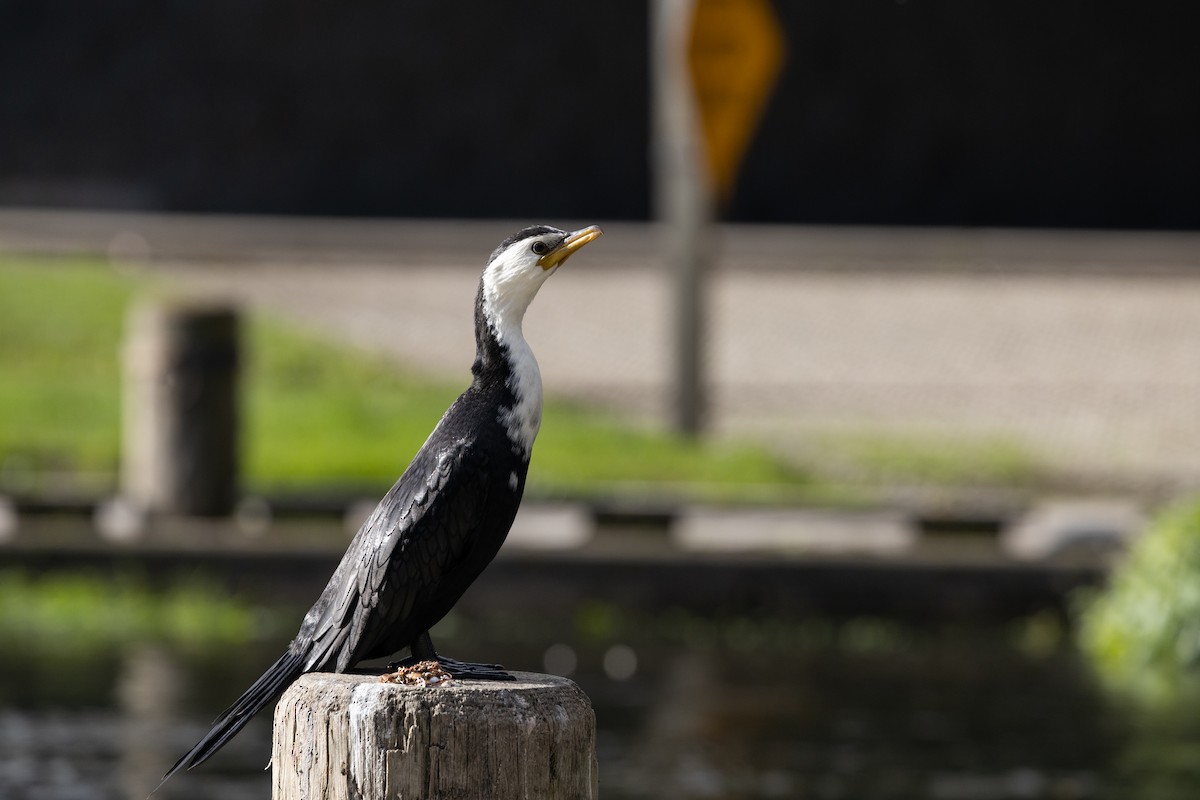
(637, 458)
(59, 329)
(316, 414)
(879, 456)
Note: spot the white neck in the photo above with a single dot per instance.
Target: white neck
(509, 283)
(523, 419)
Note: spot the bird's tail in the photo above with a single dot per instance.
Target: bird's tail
(268, 687)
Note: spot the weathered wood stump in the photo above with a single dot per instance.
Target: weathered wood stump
(339, 737)
(180, 450)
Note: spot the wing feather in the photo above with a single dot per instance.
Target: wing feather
(417, 534)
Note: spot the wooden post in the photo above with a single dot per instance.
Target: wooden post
(339, 737)
(684, 203)
(180, 429)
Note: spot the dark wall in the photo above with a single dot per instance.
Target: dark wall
(1072, 113)
(1022, 112)
(319, 106)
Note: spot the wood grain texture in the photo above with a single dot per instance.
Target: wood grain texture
(351, 737)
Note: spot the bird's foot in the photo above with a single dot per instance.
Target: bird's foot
(481, 672)
(422, 650)
(402, 664)
(458, 669)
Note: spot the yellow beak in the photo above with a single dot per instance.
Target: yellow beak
(569, 245)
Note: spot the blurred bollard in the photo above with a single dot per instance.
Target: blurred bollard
(180, 427)
(1083, 530)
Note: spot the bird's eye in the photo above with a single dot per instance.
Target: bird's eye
(540, 248)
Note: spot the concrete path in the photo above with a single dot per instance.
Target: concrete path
(1081, 349)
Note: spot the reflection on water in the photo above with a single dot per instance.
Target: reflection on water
(941, 722)
(946, 717)
(103, 727)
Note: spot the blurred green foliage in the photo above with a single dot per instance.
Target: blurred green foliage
(1143, 631)
(69, 614)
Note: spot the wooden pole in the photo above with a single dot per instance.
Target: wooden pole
(180, 429)
(339, 737)
(684, 204)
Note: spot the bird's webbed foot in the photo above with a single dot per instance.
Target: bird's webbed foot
(481, 672)
(422, 650)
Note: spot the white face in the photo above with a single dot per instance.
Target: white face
(513, 277)
(519, 267)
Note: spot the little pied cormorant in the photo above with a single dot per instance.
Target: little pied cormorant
(444, 520)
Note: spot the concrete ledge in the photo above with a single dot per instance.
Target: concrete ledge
(796, 531)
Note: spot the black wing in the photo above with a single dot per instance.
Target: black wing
(416, 537)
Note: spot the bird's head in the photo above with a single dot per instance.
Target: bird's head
(521, 264)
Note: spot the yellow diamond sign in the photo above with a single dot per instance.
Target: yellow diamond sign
(735, 53)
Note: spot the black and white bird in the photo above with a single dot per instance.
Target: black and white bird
(444, 520)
